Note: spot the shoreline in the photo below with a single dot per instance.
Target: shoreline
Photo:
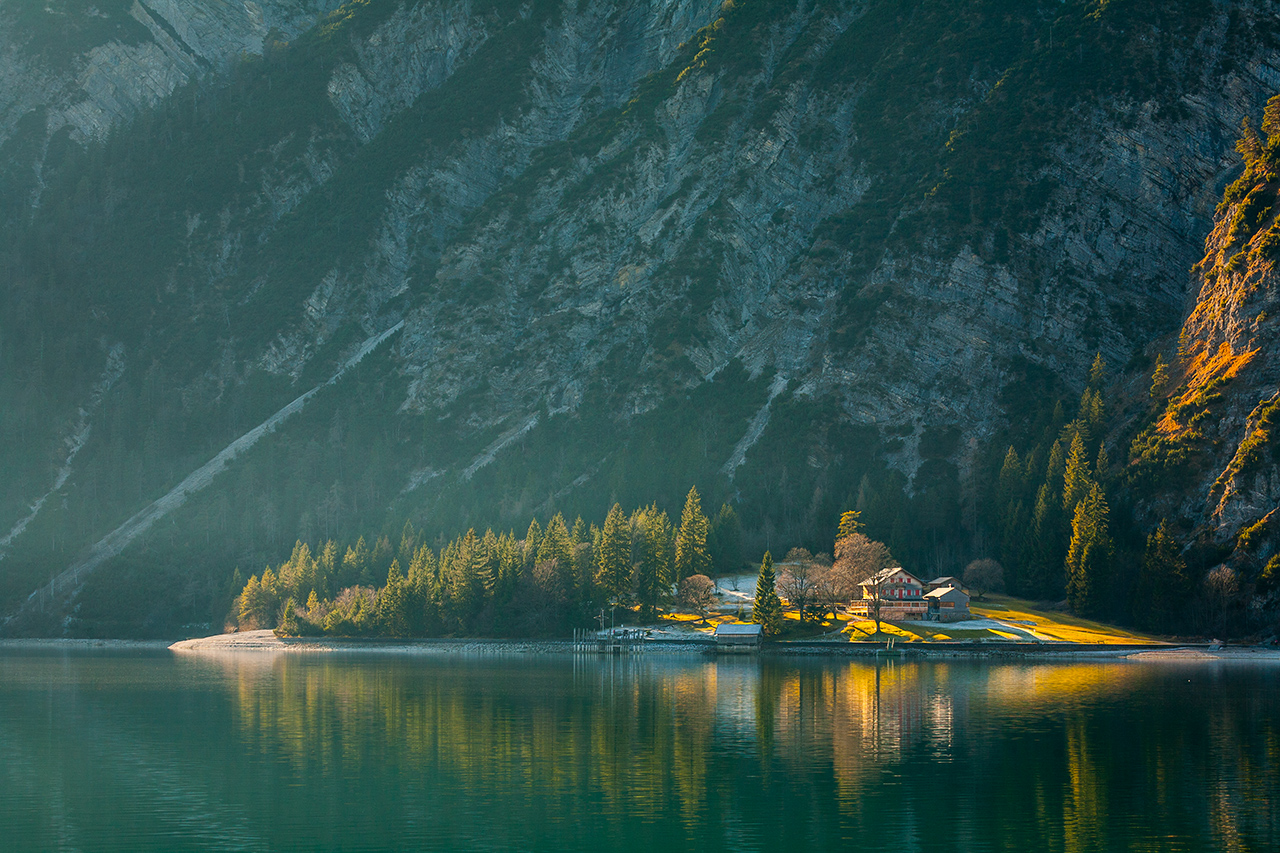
(265, 641)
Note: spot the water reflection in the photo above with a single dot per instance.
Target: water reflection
(297, 752)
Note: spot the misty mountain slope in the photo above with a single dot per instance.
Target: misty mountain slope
(797, 253)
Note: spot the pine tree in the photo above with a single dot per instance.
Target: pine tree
(851, 521)
(327, 570)
(767, 609)
(1088, 562)
(1097, 372)
(1010, 480)
(393, 619)
(408, 543)
(1163, 586)
(1271, 121)
(1044, 551)
(1013, 546)
(249, 605)
(724, 541)
(691, 542)
(532, 541)
(613, 557)
(288, 619)
(652, 553)
(557, 546)
(1055, 468)
(1159, 377)
(1076, 478)
(355, 564)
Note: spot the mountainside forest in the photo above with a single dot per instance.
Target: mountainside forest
(303, 270)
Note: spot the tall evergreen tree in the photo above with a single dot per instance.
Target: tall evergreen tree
(1097, 372)
(1088, 562)
(557, 546)
(767, 609)
(532, 542)
(691, 542)
(1159, 377)
(327, 570)
(1076, 478)
(355, 564)
(1044, 546)
(1163, 585)
(851, 521)
(724, 541)
(408, 543)
(613, 557)
(393, 618)
(653, 557)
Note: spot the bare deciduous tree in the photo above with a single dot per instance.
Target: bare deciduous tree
(983, 576)
(858, 558)
(697, 593)
(799, 581)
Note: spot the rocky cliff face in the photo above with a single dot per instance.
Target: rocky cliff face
(1209, 461)
(801, 254)
(90, 66)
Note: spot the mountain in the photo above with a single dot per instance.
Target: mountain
(293, 269)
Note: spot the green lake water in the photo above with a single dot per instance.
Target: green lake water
(150, 751)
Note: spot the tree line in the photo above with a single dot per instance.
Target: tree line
(553, 579)
(1059, 537)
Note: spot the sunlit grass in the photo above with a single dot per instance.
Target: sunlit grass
(1054, 625)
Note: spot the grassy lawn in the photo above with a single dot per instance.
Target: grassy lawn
(1026, 621)
(1053, 624)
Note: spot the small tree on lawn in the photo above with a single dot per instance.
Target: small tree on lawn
(799, 580)
(983, 576)
(697, 594)
(767, 610)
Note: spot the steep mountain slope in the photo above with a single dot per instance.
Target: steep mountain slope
(802, 254)
(1209, 461)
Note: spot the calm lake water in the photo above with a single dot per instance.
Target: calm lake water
(143, 751)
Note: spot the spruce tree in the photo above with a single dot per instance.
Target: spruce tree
(355, 564)
(532, 541)
(1159, 377)
(653, 557)
(724, 541)
(1163, 585)
(1076, 479)
(613, 557)
(327, 570)
(691, 541)
(1097, 372)
(1089, 556)
(767, 609)
(851, 521)
(392, 618)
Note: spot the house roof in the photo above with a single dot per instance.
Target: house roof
(944, 580)
(737, 630)
(943, 592)
(884, 574)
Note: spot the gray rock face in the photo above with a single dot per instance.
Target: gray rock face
(112, 81)
(662, 190)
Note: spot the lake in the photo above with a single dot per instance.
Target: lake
(149, 751)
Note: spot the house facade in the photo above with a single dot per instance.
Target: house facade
(900, 595)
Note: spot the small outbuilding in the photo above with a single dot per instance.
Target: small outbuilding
(942, 583)
(740, 636)
(947, 604)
